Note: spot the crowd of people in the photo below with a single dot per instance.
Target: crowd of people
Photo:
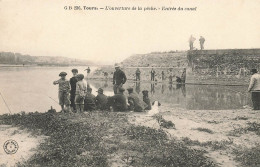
(76, 96)
(179, 79)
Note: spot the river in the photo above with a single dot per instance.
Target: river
(30, 89)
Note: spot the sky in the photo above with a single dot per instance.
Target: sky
(45, 28)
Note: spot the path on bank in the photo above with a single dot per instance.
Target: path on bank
(27, 144)
(219, 132)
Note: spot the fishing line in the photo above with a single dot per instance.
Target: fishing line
(5, 103)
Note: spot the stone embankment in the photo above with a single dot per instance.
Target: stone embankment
(229, 66)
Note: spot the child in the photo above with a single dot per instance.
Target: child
(146, 100)
(80, 93)
(64, 90)
(73, 82)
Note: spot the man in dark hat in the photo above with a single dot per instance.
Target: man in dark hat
(146, 100)
(89, 103)
(119, 101)
(73, 81)
(134, 101)
(64, 90)
(101, 100)
(119, 78)
(254, 88)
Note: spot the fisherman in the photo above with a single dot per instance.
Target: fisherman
(73, 82)
(106, 75)
(191, 41)
(163, 76)
(64, 90)
(137, 73)
(119, 101)
(178, 80)
(152, 74)
(80, 93)
(89, 104)
(134, 101)
(101, 100)
(183, 76)
(88, 71)
(146, 100)
(202, 40)
(254, 88)
(119, 78)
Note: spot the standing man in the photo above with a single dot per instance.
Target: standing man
(88, 71)
(191, 41)
(183, 76)
(152, 74)
(137, 73)
(202, 40)
(162, 75)
(73, 82)
(254, 88)
(119, 79)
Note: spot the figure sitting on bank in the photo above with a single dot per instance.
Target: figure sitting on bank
(89, 103)
(146, 100)
(101, 100)
(135, 104)
(119, 101)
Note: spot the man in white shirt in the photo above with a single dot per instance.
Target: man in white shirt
(254, 88)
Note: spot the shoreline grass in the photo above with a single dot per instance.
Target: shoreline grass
(95, 139)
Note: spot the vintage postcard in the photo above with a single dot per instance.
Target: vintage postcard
(130, 83)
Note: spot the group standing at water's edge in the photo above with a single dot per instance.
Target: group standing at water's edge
(75, 96)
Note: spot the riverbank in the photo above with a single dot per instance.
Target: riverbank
(201, 138)
(230, 137)
(102, 139)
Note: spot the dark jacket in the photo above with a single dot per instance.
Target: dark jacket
(73, 82)
(135, 103)
(147, 101)
(119, 102)
(138, 71)
(89, 102)
(119, 77)
(101, 101)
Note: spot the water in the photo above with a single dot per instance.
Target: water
(192, 97)
(30, 89)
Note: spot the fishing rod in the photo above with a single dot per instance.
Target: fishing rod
(52, 99)
(5, 103)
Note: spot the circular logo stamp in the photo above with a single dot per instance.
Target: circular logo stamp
(11, 146)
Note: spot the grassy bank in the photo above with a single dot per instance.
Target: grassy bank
(102, 139)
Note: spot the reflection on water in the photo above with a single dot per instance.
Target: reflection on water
(30, 89)
(196, 97)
